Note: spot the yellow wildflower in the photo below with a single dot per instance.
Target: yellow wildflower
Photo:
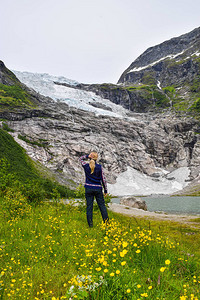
(144, 295)
(162, 269)
(167, 262)
(122, 254)
(124, 244)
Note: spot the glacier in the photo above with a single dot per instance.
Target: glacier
(45, 84)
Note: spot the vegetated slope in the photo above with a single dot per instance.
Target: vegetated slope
(17, 169)
(20, 164)
(13, 93)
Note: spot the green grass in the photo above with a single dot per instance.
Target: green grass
(46, 252)
(6, 127)
(14, 96)
(19, 163)
(195, 220)
(196, 105)
(41, 143)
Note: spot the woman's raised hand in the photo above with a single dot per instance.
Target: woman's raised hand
(91, 155)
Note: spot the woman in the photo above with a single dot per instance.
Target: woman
(95, 178)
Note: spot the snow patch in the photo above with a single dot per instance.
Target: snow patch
(170, 56)
(189, 57)
(133, 182)
(159, 85)
(196, 53)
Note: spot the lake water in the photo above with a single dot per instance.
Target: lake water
(175, 205)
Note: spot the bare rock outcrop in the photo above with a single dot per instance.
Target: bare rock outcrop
(133, 202)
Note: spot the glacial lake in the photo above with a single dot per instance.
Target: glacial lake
(174, 205)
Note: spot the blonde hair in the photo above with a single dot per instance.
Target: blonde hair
(92, 161)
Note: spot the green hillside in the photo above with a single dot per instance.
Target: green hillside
(20, 172)
(14, 96)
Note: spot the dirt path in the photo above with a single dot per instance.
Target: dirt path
(125, 210)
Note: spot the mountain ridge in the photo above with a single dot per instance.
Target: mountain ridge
(172, 46)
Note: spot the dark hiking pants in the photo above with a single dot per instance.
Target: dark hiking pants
(90, 194)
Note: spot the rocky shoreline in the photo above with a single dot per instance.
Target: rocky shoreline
(136, 212)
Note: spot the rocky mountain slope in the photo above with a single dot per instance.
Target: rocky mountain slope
(169, 63)
(141, 154)
(166, 76)
(174, 67)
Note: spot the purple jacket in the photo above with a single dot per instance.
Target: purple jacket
(96, 179)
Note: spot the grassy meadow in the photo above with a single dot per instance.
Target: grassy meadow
(48, 252)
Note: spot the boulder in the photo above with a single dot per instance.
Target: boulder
(133, 202)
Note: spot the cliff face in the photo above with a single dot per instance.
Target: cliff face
(149, 144)
(6, 76)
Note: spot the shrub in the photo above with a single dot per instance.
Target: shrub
(6, 127)
(161, 100)
(169, 90)
(32, 142)
(196, 105)
(14, 205)
(33, 191)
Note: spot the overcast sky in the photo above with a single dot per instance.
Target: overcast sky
(91, 41)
